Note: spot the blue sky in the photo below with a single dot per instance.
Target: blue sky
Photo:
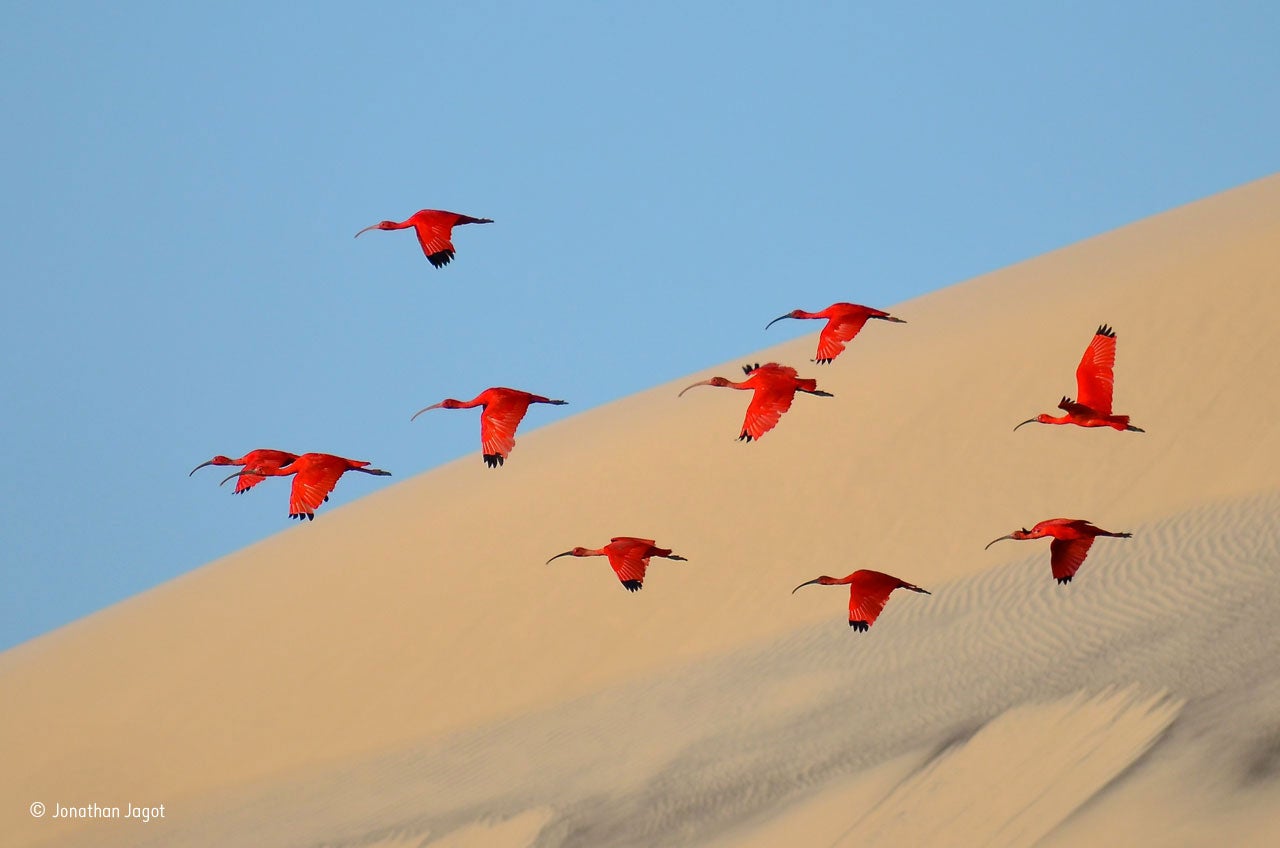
(183, 183)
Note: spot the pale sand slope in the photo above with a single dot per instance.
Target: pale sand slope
(405, 669)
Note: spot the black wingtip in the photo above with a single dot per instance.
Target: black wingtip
(821, 361)
(1062, 581)
(860, 626)
(440, 259)
(632, 585)
(1104, 330)
(747, 369)
(745, 437)
(493, 460)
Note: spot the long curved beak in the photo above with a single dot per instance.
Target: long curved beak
(426, 409)
(806, 583)
(201, 465)
(1028, 421)
(776, 320)
(365, 230)
(557, 556)
(1001, 539)
(233, 476)
(687, 388)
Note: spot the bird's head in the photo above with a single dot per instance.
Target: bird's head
(381, 225)
(1017, 535)
(824, 580)
(714, 381)
(795, 313)
(1042, 418)
(576, 552)
(447, 403)
(217, 460)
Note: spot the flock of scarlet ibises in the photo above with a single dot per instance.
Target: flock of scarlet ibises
(774, 388)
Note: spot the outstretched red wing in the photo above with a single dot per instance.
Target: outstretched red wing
(775, 368)
(434, 237)
(766, 408)
(868, 593)
(498, 425)
(865, 606)
(311, 487)
(1095, 376)
(628, 559)
(1066, 557)
(245, 482)
(836, 334)
(270, 459)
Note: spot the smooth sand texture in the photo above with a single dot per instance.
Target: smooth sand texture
(406, 670)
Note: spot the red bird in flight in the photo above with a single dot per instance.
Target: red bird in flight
(844, 321)
(434, 228)
(775, 387)
(503, 411)
(1072, 538)
(316, 475)
(263, 457)
(628, 556)
(1095, 383)
(868, 593)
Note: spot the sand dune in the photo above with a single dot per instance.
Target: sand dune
(406, 671)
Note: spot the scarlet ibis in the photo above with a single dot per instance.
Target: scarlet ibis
(1095, 382)
(775, 386)
(1072, 538)
(868, 593)
(503, 411)
(263, 457)
(317, 474)
(844, 321)
(628, 556)
(434, 228)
